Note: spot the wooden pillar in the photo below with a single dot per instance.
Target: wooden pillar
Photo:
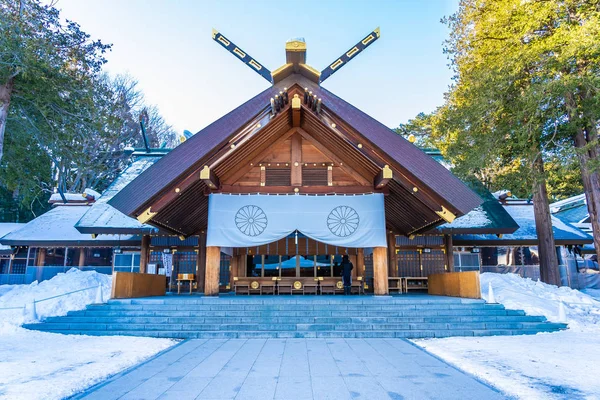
(234, 265)
(354, 261)
(360, 262)
(392, 264)
(145, 253)
(211, 276)
(41, 258)
(201, 261)
(81, 257)
(449, 249)
(380, 270)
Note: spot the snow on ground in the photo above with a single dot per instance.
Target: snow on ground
(39, 365)
(545, 366)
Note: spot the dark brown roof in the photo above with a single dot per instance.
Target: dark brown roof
(184, 157)
(190, 155)
(413, 159)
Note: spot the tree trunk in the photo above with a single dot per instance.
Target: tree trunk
(591, 187)
(586, 153)
(543, 224)
(5, 94)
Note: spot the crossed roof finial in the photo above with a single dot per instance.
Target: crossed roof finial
(295, 50)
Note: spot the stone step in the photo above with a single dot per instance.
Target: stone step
(321, 313)
(317, 316)
(344, 300)
(289, 307)
(297, 320)
(410, 334)
(63, 326)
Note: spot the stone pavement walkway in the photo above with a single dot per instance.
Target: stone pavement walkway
(294, 369)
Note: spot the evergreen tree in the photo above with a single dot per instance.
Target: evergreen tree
(525, 91)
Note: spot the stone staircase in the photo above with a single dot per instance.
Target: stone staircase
(403, 316)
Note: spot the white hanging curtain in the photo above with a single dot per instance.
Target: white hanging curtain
(255, 220)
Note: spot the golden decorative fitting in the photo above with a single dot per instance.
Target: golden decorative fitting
(412, 138)
(446, 215)
(146, 216)
(415, 189)
(333, 126)
(359, 145)
(232, 146)
(295, 164)
(177, 190)
(296, 190)
(181, 237)
(214, 33)
(295, 45)
(387, 172)
(205, 172)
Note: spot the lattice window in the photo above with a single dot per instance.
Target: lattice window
(184, 262)
(408, 263)
(314, 176)
(278, 177)
(433, 262)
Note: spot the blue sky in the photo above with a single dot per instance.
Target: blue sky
(167, 46)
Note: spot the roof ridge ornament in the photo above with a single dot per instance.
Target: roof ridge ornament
(295, 50)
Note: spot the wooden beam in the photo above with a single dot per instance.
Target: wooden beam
(82, 257)
(41, 257)
(360, 262)
(333, 157)
(263, 175)
(392, 262)
(201, 262)
(383, 177)
(305, 189)
(211, 276)
(144, 253)
(380, 271)
(449, 250)
(296, 160)
(208, 176)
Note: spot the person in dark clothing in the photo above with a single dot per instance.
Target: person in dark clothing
(347, 274)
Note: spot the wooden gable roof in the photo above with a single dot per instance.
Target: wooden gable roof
(172, 194)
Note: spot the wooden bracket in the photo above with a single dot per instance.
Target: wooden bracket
(383, 177)
(209, 177)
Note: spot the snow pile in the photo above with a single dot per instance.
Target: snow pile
(538, 298)
(542, 366)
(74, 280)
(40, 365)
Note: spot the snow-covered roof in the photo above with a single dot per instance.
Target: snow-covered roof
(57, 228)
(5, 229)
(101, 217)
(564, 233)
(489, 218)
(572, 210)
